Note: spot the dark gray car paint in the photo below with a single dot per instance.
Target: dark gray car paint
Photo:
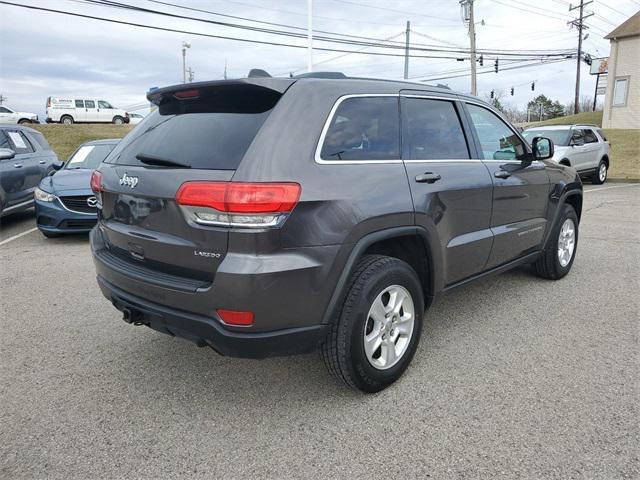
(294, 276)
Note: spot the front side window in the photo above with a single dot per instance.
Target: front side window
(590, 137)
(103, 104)
(620, 88)
(497, 140)
(89, 104)
(364, 128)
(79, 103)
(604, 138)
(432, 131)
(577, 137)
(4, 110)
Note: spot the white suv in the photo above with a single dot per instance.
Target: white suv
(583, 147)
(8, 115)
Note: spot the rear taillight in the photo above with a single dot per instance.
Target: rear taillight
(239, 204)
(96, 182)
(234, 317)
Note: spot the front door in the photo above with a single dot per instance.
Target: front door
(452, 192)
(7, 116)
(521, 187)
(80, 115)
(105, 111)
(21, 174)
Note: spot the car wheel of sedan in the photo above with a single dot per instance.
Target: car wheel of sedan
(557, 258)
(378, 328)
(601, 174)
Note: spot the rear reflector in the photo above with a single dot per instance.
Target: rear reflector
(236, 197)
(233, 317)
(96, 181)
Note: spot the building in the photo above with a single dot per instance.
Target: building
(622, 100)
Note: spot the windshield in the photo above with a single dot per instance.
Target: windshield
(558, 137)
(89, 156)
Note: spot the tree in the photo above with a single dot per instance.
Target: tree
(549, 109)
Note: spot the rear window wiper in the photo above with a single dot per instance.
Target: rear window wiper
(162, 162)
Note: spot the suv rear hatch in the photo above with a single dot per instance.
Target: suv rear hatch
(199, 133)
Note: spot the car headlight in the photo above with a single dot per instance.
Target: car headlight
(43, 196)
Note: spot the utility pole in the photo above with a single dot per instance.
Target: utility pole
(190, 74)
(225, 69)
(310, 35)
(185, 45)
(579, 24)
(467, 10)
(406, 50)
(2, 99)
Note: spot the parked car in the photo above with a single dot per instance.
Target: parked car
(583, 147)
(286, 214)
(64, 201)
(8, 115)
(25, 158)
(80, 110)
(135, 118)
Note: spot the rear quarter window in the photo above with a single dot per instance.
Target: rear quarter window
(40, 140)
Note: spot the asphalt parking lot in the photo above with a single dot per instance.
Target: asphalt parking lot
(515, 377)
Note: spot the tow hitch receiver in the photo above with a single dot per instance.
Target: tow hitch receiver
(133, 317)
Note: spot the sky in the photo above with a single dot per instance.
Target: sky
(48, 54)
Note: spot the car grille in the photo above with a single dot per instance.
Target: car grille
(78, 204)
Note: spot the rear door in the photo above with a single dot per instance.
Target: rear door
(520, 187)
(80, 113)
(196, 139)
(579, 154)
(592, 148)
(21, 174)
(452, 191)
(91, 111)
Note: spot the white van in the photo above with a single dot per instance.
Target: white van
(80, 110)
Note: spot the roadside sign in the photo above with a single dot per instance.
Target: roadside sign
(599, 66)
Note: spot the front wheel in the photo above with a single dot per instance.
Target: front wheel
(24, 121)
(376, 333)
(118, 120)
(601, 175)
(557, 259)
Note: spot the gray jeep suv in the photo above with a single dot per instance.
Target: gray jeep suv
(272, 216)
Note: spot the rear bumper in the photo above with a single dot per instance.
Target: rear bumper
(209, 331)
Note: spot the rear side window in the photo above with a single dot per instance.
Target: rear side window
(213, 140)
(4, 140)
(39, 138)
(432, 131)
(604, 138)
(363, 128)
(89, 104)
(19, 143)
(590, 137)
(79, 103)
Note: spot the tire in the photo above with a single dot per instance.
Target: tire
(601, 174)
(550, 265)
(66, 120)
(49, 234)
(375, 279)
(24, 121)
(118, 120)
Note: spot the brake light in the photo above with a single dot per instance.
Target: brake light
(233, 317)
(187, 94)
(239, 204)
(96, 182)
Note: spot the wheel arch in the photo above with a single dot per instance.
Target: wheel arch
(565, 161)
(605, 157)
(410, 244)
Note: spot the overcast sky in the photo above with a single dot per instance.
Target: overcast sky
(44, 54)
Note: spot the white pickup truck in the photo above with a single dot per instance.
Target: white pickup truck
(8, 115)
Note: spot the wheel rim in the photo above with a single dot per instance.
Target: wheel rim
(118, 121)
(389, 327)
(602, 172)
(66, 121)
(566, 242)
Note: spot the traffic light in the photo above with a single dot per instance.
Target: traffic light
(492, 93)
(495, 67)
(481, 60)
(533, 86)
(512, 91)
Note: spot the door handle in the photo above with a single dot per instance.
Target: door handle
(42, 162)
(428, 177)
(502, 174)
(17, 165)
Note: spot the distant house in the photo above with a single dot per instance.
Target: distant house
(622, 100)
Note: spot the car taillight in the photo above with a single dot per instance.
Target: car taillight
(233, 317)
(96, 182)
(239, 204)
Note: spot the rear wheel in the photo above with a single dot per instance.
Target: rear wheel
(24, 121)
(67, 120)
(118, 120)
(376, 334)
(557, 259)
(601, 174)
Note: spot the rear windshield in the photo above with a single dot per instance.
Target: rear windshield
(89, 156)
(559, 137)
(213, 133)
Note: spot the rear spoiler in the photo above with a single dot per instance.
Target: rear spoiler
(246, 95)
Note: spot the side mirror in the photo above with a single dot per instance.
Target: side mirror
(57, 165)
(542, 148)
(6, 153)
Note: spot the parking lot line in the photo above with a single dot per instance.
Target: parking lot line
(7, 240)
(608, 188)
